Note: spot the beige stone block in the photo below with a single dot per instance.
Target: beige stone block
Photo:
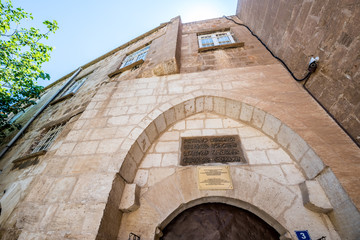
(65, 149)
(179, 126)
(151, 160)
(179, 111)
(293, 174)
(128, 169)
(109, 145)
(160, 123)
(257, 157)
(89, 114)
(208, 132)
(170, 136)
(130, 200)
(158, 174)
(246, 132)
(229, 123)
(83, 148)
(92, 188)
(258, 118)
(143, 141)
(246, 112)
(233, 109)
(278, 156)
(137, 109)
(151, 132)
(258, 143)
(278, 198)
(118, 121)
(9, 200)
(170, 159)
(60, 221)
(61, 189)
(228, 131)
(285, 135)
(170, 117)
(144, 92)
(209, 104)
(135, 133)
(147, 100)
(199, 104)
(141, 177)
(118, 111)
(271, 171)
(191, 133)
(245, 183)
(170, 196)
(194, 124)
(74, 135)
(213, 123)
(271, 125)
(175, 88)
(189, 107)
(167, 147)
(219, 106)
(314, 197)
(298, 147)
(92, 221)
(311, 164)
(136, 153)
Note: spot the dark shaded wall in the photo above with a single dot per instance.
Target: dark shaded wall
(296, 30)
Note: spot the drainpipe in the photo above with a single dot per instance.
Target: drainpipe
(13, 140)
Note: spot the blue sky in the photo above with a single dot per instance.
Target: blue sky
(91, 28)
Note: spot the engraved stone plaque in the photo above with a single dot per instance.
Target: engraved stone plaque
(214, 178)
(211, 149)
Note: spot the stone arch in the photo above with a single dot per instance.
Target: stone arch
(164, 116)
(178, 192)
(157, 121)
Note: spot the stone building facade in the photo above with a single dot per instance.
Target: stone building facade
(327, 29)
(116, 131)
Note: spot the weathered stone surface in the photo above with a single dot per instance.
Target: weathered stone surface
(314, 197)
(130, 200)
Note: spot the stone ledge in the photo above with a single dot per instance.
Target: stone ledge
(314, 197)
(231, 45)
(62, 98)
(141, 61)
(130, 198)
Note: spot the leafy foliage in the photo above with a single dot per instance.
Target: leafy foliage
(21, 57)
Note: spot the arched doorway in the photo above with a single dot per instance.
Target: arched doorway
(216, 221)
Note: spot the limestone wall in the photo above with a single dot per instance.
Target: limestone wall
(126, 129)
(298, 30)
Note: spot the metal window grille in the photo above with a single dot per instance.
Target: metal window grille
(74, 87)
(215, 39)
(49, 138)
(136, 56)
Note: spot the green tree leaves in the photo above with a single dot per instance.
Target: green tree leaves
(21, 57)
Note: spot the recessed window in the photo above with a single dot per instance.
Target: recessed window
(135, 57)
(74, 87)
(49, 138)
(215, 39)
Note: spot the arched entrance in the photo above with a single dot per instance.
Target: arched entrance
(216, 221)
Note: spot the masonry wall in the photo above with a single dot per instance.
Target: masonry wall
(298, 30)
(75, 189)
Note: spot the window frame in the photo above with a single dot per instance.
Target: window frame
(216, 44)
(70, 90)
(48, 138)
(124, 67)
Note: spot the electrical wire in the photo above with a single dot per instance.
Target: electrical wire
(279, 59)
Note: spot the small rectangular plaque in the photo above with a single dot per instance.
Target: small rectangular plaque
(214, 178)
(303, 235)
(211, 149)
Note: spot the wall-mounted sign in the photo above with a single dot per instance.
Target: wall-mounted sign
(303, 235)
(211, 149)
(214, 178)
